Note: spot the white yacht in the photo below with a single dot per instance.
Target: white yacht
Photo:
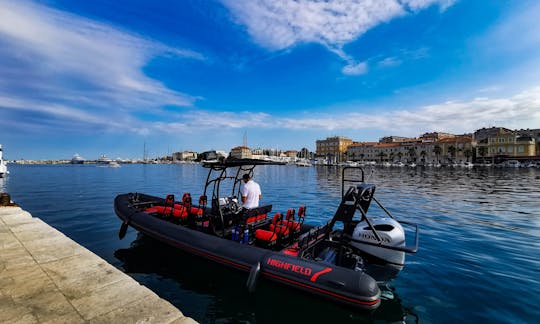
(512, 164)
(103, 159)
(303, 163)
(77, 159)
(3, 167)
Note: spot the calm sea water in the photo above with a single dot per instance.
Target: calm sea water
(479, 257)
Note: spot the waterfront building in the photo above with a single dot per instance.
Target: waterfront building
(508, 145)
(395, 139)
(333, 148)
(241, 152)
(435, 137)
(534, 133)
(184, 156)
(291, 153)
(358, 151)
(483, 133)
(458, 149)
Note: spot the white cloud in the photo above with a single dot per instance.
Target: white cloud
(389, 62)
(354, 68)
(281, 24)
(519, 111)
(54, 56)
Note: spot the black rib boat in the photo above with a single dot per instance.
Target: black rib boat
(343, 260)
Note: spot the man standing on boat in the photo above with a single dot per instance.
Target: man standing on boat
(251, 192)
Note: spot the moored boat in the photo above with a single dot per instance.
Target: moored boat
(343, 260)
(3, 166)
(103, 160)
(77, 159)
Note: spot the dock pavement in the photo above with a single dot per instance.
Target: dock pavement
(45, 277)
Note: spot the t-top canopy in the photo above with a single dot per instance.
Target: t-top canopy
(237, 163)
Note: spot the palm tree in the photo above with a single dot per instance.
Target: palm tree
(362, 156)
(423, 155)
(399, 155)
(437, 150)
(482, 151)
(392, 156)
(381, 155)
(412, 154)
(452, 152)
(468, 153)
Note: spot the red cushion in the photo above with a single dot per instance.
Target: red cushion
(283, 230)
(196, 211)
(180, 213)
(264, 235)
(292, 251)
(293, 226)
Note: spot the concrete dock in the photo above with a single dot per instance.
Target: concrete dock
(45, 277)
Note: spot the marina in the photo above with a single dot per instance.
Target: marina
(469, 220)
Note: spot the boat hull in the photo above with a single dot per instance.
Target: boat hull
(345, 286)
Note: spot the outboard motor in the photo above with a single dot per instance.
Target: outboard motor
(391, 234)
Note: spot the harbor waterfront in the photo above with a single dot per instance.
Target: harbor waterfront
(478, 258)
(48, 278)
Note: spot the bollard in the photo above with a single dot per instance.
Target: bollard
(5, 200)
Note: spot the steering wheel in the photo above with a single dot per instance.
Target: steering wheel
(234, 207)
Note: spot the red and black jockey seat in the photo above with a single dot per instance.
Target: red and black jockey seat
(276, 230)
(290, 222)
(257, 215)
(170, 208)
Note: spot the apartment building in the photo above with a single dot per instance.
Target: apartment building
(506, 144)
(456, 149)
(241, 152)
(333, 148)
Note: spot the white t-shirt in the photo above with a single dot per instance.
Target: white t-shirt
(251, 190)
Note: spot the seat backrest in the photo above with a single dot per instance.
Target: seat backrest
(169, 200)
(203, 200)
(301, 211)
(186, 199)
(278, 217)
(290, 214)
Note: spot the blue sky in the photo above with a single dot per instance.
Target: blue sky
(107, 76)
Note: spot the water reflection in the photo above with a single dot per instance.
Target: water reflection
(220, 295)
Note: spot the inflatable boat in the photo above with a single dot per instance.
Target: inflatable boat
(344, 260)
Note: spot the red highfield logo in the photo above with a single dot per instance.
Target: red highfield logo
(289, 266)
(306, 271)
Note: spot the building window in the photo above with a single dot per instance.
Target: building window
(501, 139)
(521, 149)
(501, 149)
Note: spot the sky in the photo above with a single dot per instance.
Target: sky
(113, 77)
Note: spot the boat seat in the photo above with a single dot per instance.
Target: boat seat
(274, 233)
(256, 216)
(290, 222)
(176, 210)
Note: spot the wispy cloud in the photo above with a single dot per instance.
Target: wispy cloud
(66, 66)
(281, 24)
(519, 111)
